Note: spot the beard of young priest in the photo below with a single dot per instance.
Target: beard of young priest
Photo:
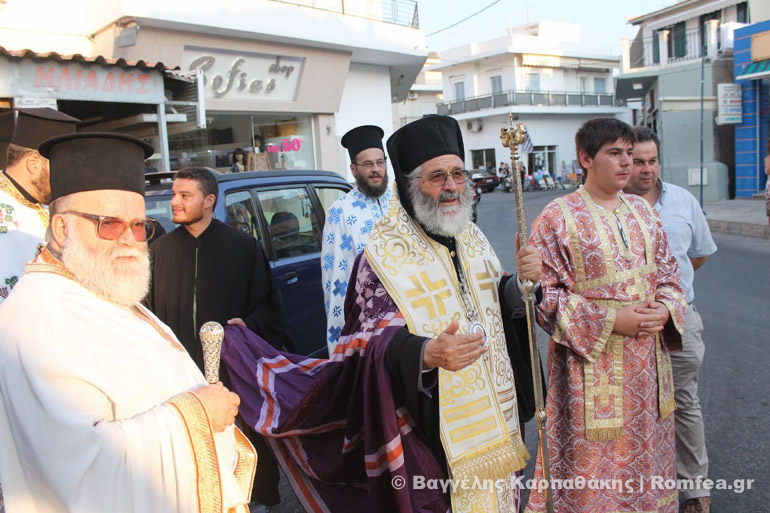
(345, 429)
(120, 417)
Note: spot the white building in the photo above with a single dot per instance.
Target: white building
(294, 74)
(661, 82)
(543, 74)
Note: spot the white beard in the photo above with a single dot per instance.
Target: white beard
(444, 221)
(122, 283)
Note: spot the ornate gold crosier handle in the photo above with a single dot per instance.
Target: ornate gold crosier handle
(512, 138)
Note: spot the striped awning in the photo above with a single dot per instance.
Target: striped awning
(755, 71)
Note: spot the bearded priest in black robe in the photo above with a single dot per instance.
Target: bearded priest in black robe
(430, 378)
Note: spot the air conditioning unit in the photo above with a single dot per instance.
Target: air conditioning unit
(474, 126)
(412, 95)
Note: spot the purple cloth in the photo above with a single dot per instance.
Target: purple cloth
(334, 425)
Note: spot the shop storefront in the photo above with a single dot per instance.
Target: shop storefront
(105, 94)
(752, 73)
(273, 103)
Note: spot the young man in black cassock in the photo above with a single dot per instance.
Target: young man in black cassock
(205, 270)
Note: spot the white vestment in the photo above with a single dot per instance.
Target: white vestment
(22, 228)
(349, 224)
(97, 413)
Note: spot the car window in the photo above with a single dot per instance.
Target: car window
(159, 208)
(292, 221)
(241, 213)
(328, 195)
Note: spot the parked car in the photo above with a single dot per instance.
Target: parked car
(475, 194)
(486, 181)
(285, 211)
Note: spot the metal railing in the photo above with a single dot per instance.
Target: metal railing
(527, 98)
(683, 46)
(397, 12)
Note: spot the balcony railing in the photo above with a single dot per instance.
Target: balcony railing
(683, 46)
(398, 12)
(527, 98)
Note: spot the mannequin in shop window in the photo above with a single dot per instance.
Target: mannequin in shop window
(237, 166)
(258, 159)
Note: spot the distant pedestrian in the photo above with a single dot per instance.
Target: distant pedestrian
(690, 241)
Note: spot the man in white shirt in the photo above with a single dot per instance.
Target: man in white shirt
(101, 407)
(690, 240)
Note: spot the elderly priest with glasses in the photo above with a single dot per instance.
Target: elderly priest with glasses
(102, 408)
(428, 379)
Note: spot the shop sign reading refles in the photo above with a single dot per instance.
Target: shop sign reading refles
(234, 75)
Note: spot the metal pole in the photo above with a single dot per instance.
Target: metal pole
(163, 138)
(702, 82)
(512, 139)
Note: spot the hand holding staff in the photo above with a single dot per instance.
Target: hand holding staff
(512, 138)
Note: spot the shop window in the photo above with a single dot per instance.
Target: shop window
(543, 160)
(292, 222)
(484, 159)
(268, 142)
(241, 213)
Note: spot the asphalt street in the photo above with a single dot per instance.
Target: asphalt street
(733, 298)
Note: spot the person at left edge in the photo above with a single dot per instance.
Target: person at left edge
(350, 221)
(25, 189)
(101, 408)
(206, 270)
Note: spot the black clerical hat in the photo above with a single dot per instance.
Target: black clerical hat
(33, 126)
(362, 138)
(94, 161)
(419, 141)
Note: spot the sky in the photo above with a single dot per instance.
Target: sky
(604, 22)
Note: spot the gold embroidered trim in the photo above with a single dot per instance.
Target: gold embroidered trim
(7, 187)
(648, 249)
(247, 463)
(204, 452)
(637, 272)
(673, 314)
(502, 460)
(569, 220)
(606, 428)
(666, 399)
(596, 216)
(566, 319)
(609, 324)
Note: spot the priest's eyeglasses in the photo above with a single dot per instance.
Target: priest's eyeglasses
(439, 178)
(111, 228)
(369, 165)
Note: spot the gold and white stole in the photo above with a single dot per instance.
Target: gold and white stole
(478, 414)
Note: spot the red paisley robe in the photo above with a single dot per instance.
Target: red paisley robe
(610, 398)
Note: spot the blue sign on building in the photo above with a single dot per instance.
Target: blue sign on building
(751, 136)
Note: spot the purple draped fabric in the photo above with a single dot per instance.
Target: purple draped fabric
(334, 425)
